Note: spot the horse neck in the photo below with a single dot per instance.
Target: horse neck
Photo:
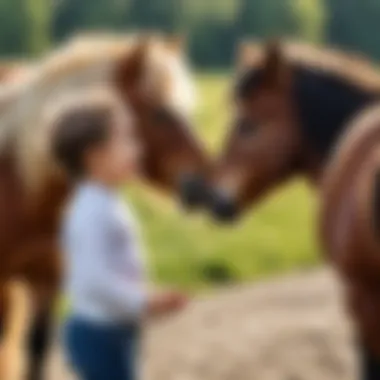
(325, 105)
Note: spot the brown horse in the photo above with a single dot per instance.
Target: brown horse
(150, 75)
(295, 115)
(350, 227)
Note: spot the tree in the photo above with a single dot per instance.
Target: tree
(39, 25)
(353, 25)
(73, 16)
(263, 19)
(212, 43)
(311, 19)
(14, 27)
(163, 15)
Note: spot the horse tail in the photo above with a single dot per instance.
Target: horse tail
(18, 310)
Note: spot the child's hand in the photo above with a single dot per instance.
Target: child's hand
(167, 302)
(178, 300)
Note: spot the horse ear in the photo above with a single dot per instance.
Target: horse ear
(131, 68)
(274, 64)
(248, 53)
(176, 43)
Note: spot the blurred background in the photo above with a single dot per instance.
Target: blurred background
(192, 251)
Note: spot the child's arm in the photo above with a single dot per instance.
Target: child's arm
(105, 283)
(110, 285)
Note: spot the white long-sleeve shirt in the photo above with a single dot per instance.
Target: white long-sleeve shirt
(104, 277)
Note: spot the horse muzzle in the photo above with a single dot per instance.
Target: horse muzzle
(223, 207)
(193, 191)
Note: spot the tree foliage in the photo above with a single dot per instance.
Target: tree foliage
(354, 25)
(213, 26)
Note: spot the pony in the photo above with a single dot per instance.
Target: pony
(150, 76)
(310, 111)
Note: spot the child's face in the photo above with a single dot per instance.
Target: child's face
(116, 161)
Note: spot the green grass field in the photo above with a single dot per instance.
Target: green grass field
(192, 252)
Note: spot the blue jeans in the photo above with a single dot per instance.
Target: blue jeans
(102, 352)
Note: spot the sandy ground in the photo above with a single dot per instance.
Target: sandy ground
(293, 328)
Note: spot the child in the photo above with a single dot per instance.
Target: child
(95, 143)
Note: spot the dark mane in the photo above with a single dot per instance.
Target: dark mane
(325, 103)
(330, 87)
(349, 66)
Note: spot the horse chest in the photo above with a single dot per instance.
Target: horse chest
(29, 229)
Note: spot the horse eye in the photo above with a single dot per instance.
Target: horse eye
(246, 127)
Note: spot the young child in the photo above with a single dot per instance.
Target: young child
(95, 143)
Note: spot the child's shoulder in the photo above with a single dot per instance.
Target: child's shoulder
(88, 202)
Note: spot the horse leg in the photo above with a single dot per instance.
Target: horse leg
(39, 341)
(43, 276)
(370, 365)
(40, 335)
(12, 358)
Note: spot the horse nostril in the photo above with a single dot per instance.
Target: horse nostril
(223, 207)
(193, 191)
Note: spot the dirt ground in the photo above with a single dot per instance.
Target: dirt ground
(293, 328)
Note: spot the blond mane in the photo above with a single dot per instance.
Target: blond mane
(82, 63)
(352, 67)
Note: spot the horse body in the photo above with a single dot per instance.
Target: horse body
(348, 220)
(312, 112)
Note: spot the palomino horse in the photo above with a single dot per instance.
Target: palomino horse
(151, 77)
(294, 104)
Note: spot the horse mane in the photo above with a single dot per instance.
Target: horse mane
(82, 62)
(23, 105)
(351, 67)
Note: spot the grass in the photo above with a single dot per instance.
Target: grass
(192, 252)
